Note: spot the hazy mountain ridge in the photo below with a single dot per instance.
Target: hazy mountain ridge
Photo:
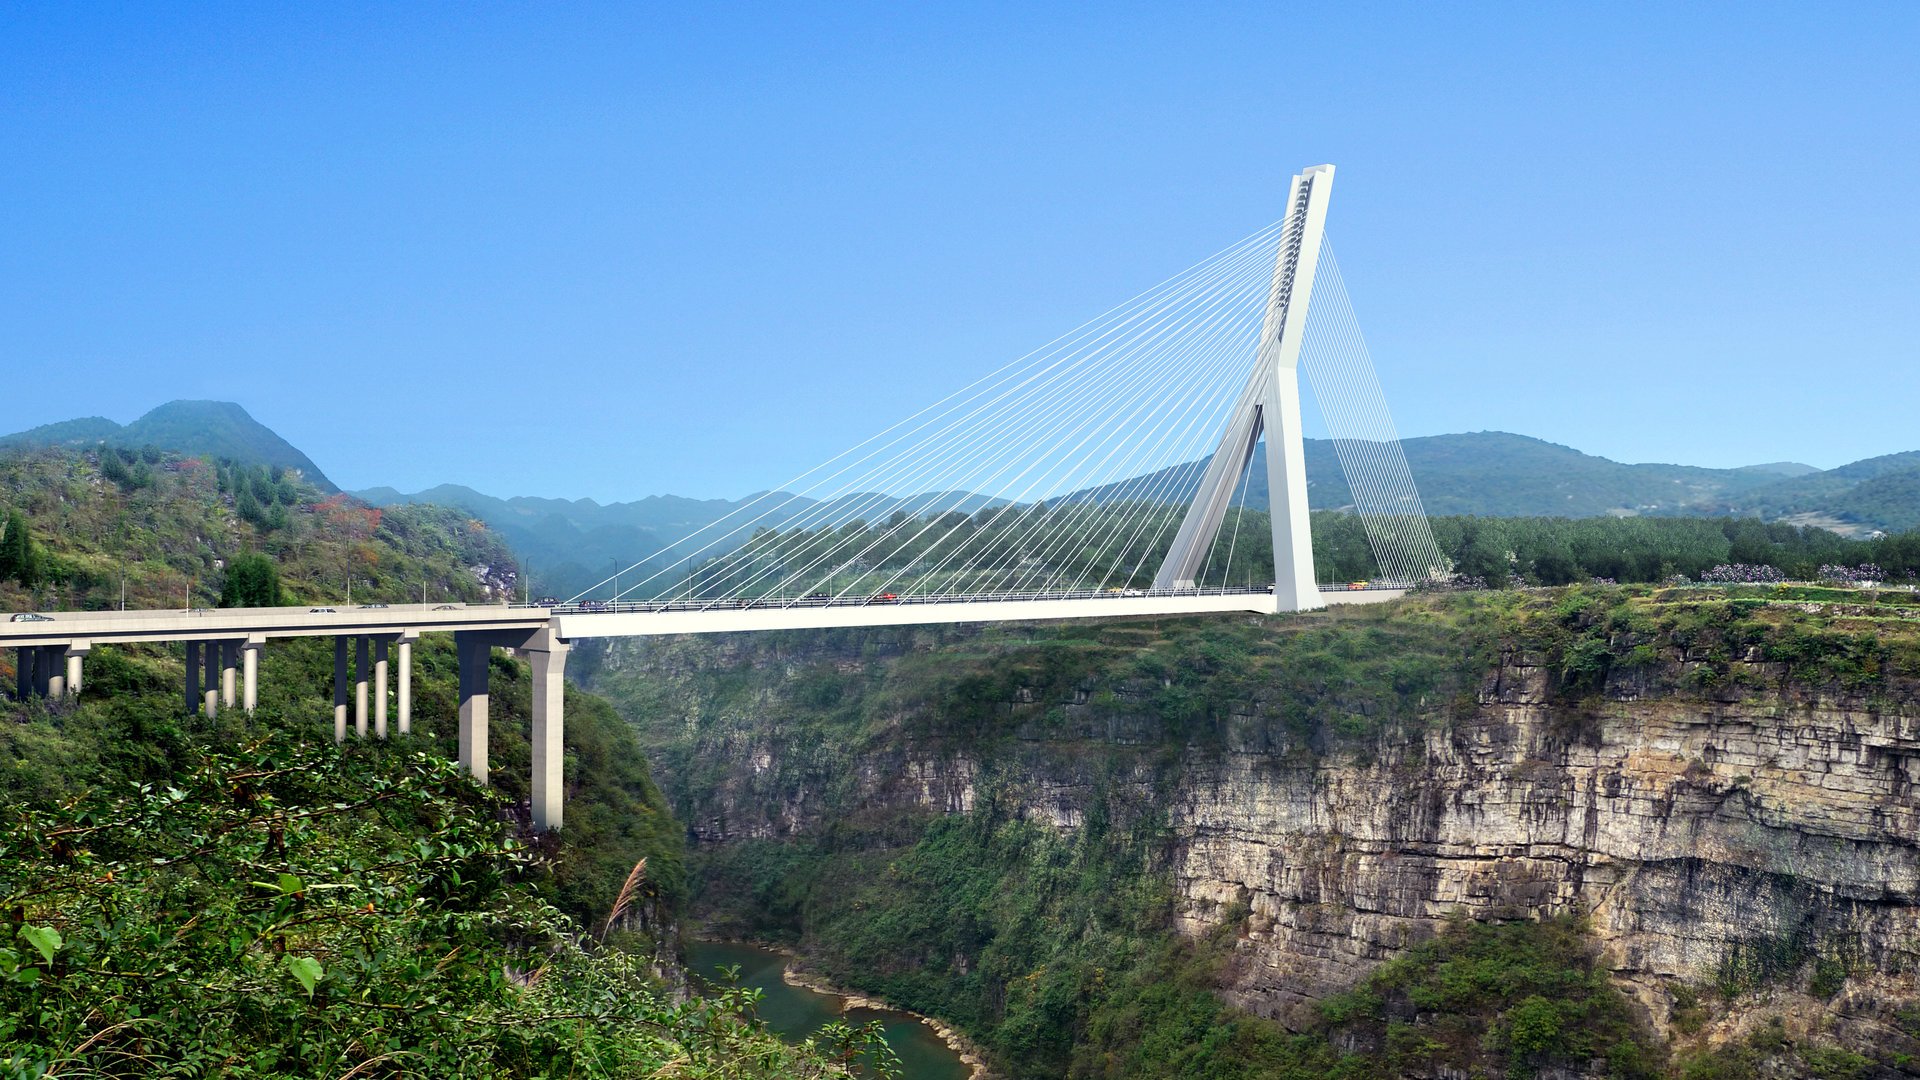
(219, 429)
(571, 543)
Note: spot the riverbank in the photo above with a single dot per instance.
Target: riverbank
(963, 1049)
(962, 1046)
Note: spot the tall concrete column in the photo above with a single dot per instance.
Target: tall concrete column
(213, 679)
(405, 689)
(250, 674)
(76, 652)
(24, 659)
(52, 671)
(360, 686)
(380, 687)
(474, 651)
(193, 676)
(548, 656)
(229, 658)
(339, 688)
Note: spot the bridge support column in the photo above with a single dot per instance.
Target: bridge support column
(250, 673)
(404, 691)
(212, 708)
(474, 650)
(76, 652)
(339, 688)
(23, 660)
(380, 686)
(229, 660)
(547, 654)
(193, 676)
(360, 686)
(52, 671)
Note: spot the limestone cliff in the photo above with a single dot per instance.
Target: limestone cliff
(1732, 805)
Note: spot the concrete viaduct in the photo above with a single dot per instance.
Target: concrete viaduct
(223, 648)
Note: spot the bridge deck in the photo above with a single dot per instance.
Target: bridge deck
(630, 619)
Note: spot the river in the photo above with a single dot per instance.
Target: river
(794, 1012)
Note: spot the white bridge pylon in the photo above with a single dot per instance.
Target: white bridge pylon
(1098, 468)
(1270, 402)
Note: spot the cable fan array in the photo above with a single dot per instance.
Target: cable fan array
(1334, 355)
(1065, 471)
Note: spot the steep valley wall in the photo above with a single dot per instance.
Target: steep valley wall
(1725, 826)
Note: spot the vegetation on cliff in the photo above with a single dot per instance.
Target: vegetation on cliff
(821, 772)
(240, 897)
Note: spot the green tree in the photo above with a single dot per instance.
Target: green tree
(252, 581)
(19, 558)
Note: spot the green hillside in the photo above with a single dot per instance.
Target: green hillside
(1877, 493)
(219, 429)
(162, 533)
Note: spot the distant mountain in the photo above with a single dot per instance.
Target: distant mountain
(573, 543)
(1877, 493)
(221, 429)
(1498, 474)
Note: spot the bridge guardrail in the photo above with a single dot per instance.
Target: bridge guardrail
(652, 607)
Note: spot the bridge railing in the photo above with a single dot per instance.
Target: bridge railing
(751, 603)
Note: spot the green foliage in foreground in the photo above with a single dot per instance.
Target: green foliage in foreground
(282, 907)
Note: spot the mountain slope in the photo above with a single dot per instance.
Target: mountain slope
(1494, 473)
(219, 429)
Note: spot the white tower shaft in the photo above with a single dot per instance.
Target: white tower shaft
(1269, 402)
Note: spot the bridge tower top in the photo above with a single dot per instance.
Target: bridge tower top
(1269, 403)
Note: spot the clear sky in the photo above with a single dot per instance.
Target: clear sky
(618, 250)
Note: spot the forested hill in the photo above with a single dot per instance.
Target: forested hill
(162, 530)
(219, 429)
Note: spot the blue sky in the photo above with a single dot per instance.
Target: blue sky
(612, 251)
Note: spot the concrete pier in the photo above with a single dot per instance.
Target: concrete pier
(76, 653)
(405, 689)
(475, 651)
(360, 686)
(250, 674)
(380, 687)
(52, 671)
(340, 688)
(193, 676)
(229, 659)
(547, 655)
(212, 705)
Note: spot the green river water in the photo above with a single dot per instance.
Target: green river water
(795, 1012)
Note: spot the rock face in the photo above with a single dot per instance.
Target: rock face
(1758, 836)
(1710, 841)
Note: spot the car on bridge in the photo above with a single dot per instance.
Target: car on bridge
(28, 616)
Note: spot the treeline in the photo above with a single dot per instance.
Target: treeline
(1121, 546)
(1559, 551)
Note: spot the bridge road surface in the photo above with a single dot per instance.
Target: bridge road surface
(50, 649)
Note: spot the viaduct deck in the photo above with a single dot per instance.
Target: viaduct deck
(51, 646)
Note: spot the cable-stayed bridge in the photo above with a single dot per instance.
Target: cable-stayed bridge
(1104, 474)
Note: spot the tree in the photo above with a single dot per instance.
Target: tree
(252, 581)
(19, 558)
